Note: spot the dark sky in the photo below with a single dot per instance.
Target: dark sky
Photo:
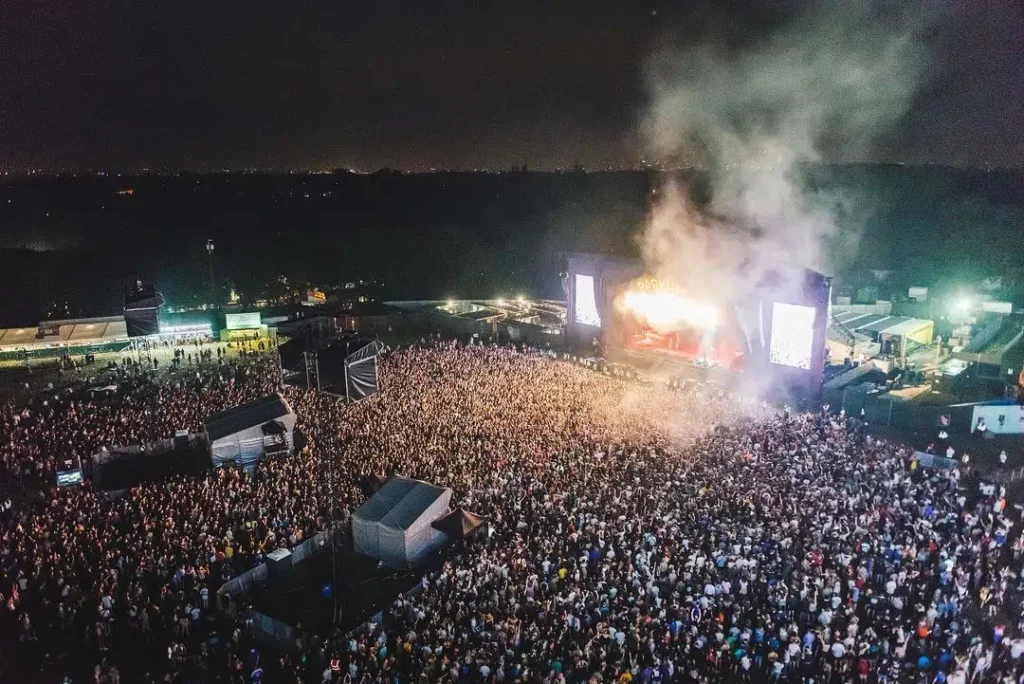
(414, 85)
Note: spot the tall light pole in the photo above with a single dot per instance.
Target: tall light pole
(213, 279)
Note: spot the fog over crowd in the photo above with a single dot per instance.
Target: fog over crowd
(634, 534)
(828, 83)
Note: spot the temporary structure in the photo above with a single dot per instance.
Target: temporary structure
(394, 525)
(246, 433)
(459, 524)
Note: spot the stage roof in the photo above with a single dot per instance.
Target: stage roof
(881, 324)
(68, 332)
(622, 267)
(245, 416)
(399, 502)
(18, 337)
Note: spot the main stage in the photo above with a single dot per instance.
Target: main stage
(772, 338)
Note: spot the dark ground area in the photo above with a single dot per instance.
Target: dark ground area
(365, 589)
(130, 470)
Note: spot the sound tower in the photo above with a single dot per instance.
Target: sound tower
(345, 367)
(142, 305)
(280, 567)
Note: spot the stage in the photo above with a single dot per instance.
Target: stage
(665, 367)
(771, 339)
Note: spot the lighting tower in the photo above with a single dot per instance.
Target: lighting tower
(213, 280)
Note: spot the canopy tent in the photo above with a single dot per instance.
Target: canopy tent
(371, 483)
(394, 525)
(919, 330)
(246, 433)
(69, 336)
(459, 524)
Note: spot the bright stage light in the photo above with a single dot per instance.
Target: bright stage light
(792, 341)
(585, 312)
(666, 311)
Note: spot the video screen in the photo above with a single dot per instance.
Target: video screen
(586, 301)
(792, 340)
(242, 321)
(69, 478)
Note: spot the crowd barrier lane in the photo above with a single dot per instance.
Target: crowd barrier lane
(1008, 476)
(263, 625)
(242, 584)
(260, 624)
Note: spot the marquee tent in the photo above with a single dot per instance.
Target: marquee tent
(459, 524)
(394, 525)
(246, 433)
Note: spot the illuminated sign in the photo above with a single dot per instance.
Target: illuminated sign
(664, 306)
(192, 328)
(69, 478)
(652, 284)
(242, 321)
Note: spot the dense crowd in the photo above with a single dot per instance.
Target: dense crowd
(78, 421)
(635, 534)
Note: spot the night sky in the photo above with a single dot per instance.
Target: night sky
(319, 84)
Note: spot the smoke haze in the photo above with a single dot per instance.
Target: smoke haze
(827, 83)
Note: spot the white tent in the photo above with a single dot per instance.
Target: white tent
(246, 433)
(394, 525)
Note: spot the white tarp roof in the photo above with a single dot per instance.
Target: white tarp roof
(394, 525)
(399, 502)
(70, 332)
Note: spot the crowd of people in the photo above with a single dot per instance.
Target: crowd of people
(76, 423)
(634, 534)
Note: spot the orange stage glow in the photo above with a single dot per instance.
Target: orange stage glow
(665, 310)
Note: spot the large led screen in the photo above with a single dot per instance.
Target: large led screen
(69, 478)
(586, 301)
(242, 321)
(792, 335)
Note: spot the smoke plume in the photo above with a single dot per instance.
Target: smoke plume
(824, 86)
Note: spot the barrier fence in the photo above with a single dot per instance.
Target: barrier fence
(260, 624)
(238, 586)
(926, 460)
(1009, 476)
(887, 411)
